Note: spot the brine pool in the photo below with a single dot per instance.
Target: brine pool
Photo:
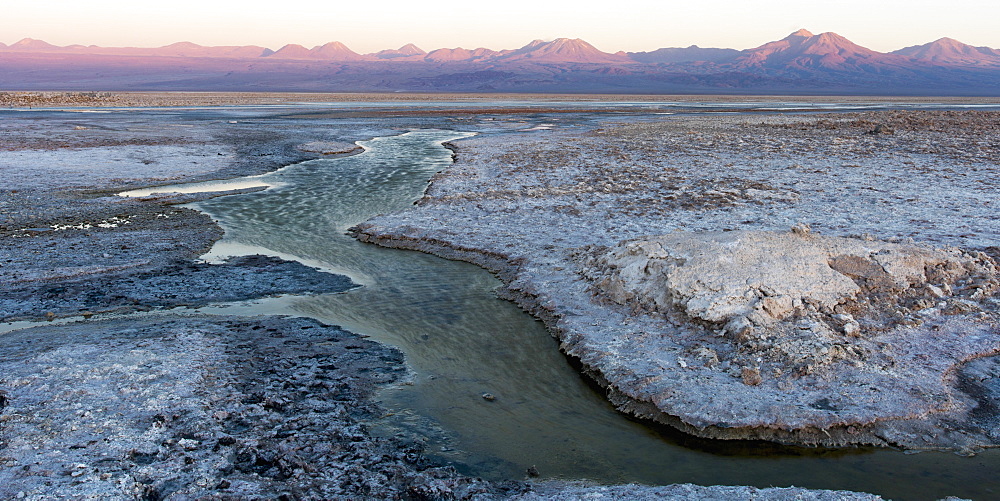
(462, 342)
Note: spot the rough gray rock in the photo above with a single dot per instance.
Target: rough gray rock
(799, 300)
(218, 407)
(182, 283)
(329, 147)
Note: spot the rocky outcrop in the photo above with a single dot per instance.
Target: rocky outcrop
(329, 147)
(796, 300)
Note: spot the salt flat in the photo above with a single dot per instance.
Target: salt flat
(535, 207)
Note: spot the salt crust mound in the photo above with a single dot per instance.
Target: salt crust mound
(795, 298)
(329, 147)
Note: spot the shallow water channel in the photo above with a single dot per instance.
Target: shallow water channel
(462, 342)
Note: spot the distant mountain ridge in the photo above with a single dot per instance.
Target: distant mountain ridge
(952, 52)
(30, 44)
(407, 52)
(800, 62)
(179, 49)
(560, 50)
(825, 57)
(799, 49)
(563, 50)
(459, 54)
(692, 53)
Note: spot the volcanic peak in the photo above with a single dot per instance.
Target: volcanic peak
(804, 33)
(32, 44)
(292, 51)
(460, 54)
(564, 50)
(826, 50)
(949, 51)
(336, 51)
(408, 52)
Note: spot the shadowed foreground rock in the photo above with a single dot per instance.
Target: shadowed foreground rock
(225, 407)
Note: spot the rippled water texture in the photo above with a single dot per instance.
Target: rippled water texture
(462, 342)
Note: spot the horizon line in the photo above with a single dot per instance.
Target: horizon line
(346, 45)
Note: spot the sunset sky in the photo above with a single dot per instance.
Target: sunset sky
(630, 25)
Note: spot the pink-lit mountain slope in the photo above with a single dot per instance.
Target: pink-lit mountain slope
(951, 52)
(32, 45)
(333, 51)
(336, 51)
(693, 53)
(179, 49)
(803, 51)
(186, 49)
(799, 63)
(408, 52)
(462, 55)
(292, 51)
(563, 50)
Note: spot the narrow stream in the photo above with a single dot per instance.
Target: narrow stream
(463, 342)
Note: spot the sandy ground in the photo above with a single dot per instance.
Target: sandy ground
(178, 406)
(618, 240)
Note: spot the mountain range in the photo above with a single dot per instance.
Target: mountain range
(802, 62)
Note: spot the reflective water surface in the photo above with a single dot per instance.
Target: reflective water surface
(463, 342)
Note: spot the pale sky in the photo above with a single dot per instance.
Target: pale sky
(369, 26)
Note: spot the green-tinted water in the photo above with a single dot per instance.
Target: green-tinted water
(463, 342)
